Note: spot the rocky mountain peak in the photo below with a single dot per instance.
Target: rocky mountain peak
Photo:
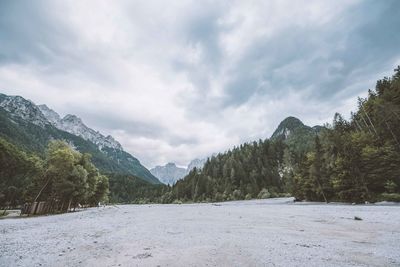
(287, 127)
(18, 106)
(74, 125)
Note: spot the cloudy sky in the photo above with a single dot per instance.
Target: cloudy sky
(176, 80)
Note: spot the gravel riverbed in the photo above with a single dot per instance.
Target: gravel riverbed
(275, 232)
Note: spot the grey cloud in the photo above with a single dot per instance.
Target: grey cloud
(134, 128)
(29, 33)
(289, 60)
(323, 65)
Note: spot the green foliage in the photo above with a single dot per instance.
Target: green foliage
(71, 178)
(264, 193)
(356, 160)
(392, 197)
(18, 170)
(65, 177)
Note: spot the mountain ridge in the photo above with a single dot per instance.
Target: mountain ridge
(170, 173)
(24, 124)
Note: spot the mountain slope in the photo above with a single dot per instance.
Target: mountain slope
(23, 124)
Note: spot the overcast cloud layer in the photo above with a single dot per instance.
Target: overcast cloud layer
(176, 80)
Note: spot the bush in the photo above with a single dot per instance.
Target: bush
(264, 193)
(237, 194)
(248, 197)
(219, 197)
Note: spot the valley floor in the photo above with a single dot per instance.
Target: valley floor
(243, 233)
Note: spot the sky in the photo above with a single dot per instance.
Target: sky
(178, 80)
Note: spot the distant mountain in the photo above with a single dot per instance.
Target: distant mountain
(169, 173)
(31, 127)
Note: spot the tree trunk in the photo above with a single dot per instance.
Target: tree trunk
(394, 136)
(366, 124)
(4, 212)
(69, 204)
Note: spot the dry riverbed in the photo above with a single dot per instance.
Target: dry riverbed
(243, 233)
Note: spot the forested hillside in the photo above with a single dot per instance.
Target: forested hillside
(131, 189)
(356, 160)
(352, 161)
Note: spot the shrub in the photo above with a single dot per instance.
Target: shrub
(237, 194)
(264, 193)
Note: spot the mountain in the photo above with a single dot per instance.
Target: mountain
(31, 127)
(19, 107)
(288, 127)
(298, 136)
(169, 173)
(74, 125)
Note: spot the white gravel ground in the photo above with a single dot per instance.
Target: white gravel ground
(243, 233)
